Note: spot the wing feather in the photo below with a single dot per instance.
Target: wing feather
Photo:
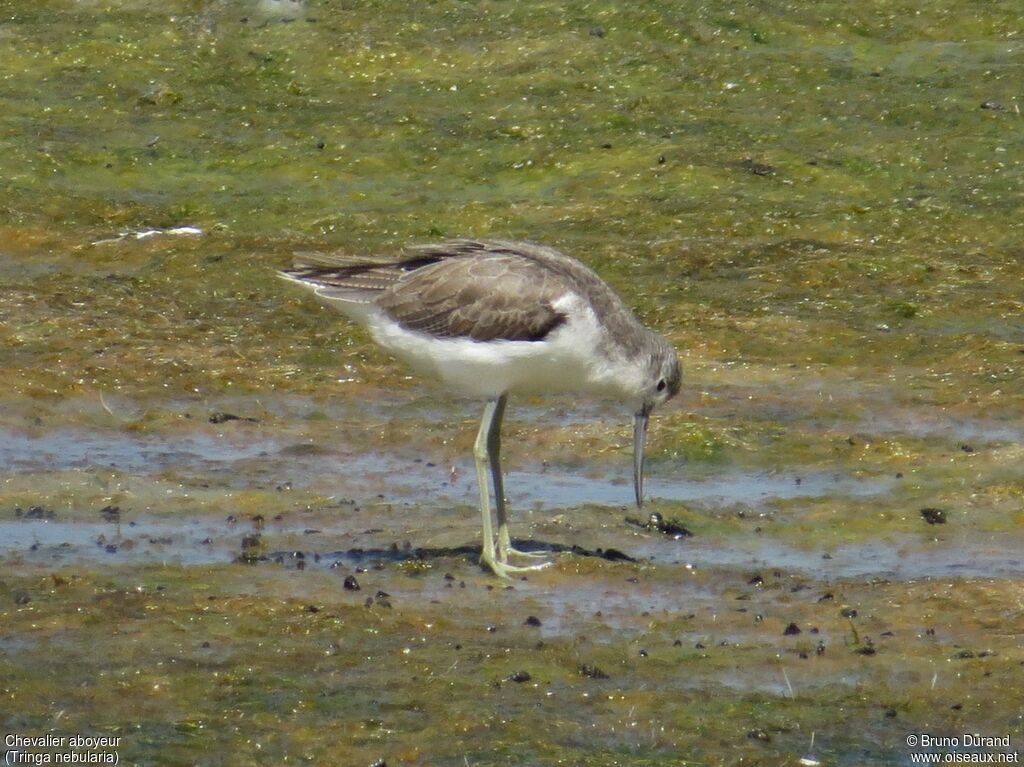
(480, 290)
(487, 298)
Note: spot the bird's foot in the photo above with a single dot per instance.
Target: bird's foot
(506, 570)
(511, 551)
(506, 549)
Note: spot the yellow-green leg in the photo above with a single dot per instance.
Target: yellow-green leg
(487, 452)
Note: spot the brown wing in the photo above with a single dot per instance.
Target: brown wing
(483, 290)
(485, 297)
(351, 278)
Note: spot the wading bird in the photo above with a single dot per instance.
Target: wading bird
(493, 318)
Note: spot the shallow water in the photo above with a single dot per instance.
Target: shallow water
(912, 558)
(211, 454)
(69, 449)
(206, 541)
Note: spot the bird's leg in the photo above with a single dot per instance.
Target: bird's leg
(504, 545)
(494, 461)
(480, 453)
(487, 452)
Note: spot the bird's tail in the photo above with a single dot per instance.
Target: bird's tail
(342, 279)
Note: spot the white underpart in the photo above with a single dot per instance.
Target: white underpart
(573, 358)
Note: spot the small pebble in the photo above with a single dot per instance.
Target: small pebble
(592, 672)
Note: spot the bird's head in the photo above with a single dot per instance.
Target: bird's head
(661, 382)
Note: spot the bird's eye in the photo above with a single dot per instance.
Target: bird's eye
(661, 385)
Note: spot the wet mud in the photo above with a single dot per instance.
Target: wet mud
(233, 532)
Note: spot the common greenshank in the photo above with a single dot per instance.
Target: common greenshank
(493, 318)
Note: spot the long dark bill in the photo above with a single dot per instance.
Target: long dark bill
(639, 439)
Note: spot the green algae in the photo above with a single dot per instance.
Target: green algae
(821, 207)
(182, 662)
